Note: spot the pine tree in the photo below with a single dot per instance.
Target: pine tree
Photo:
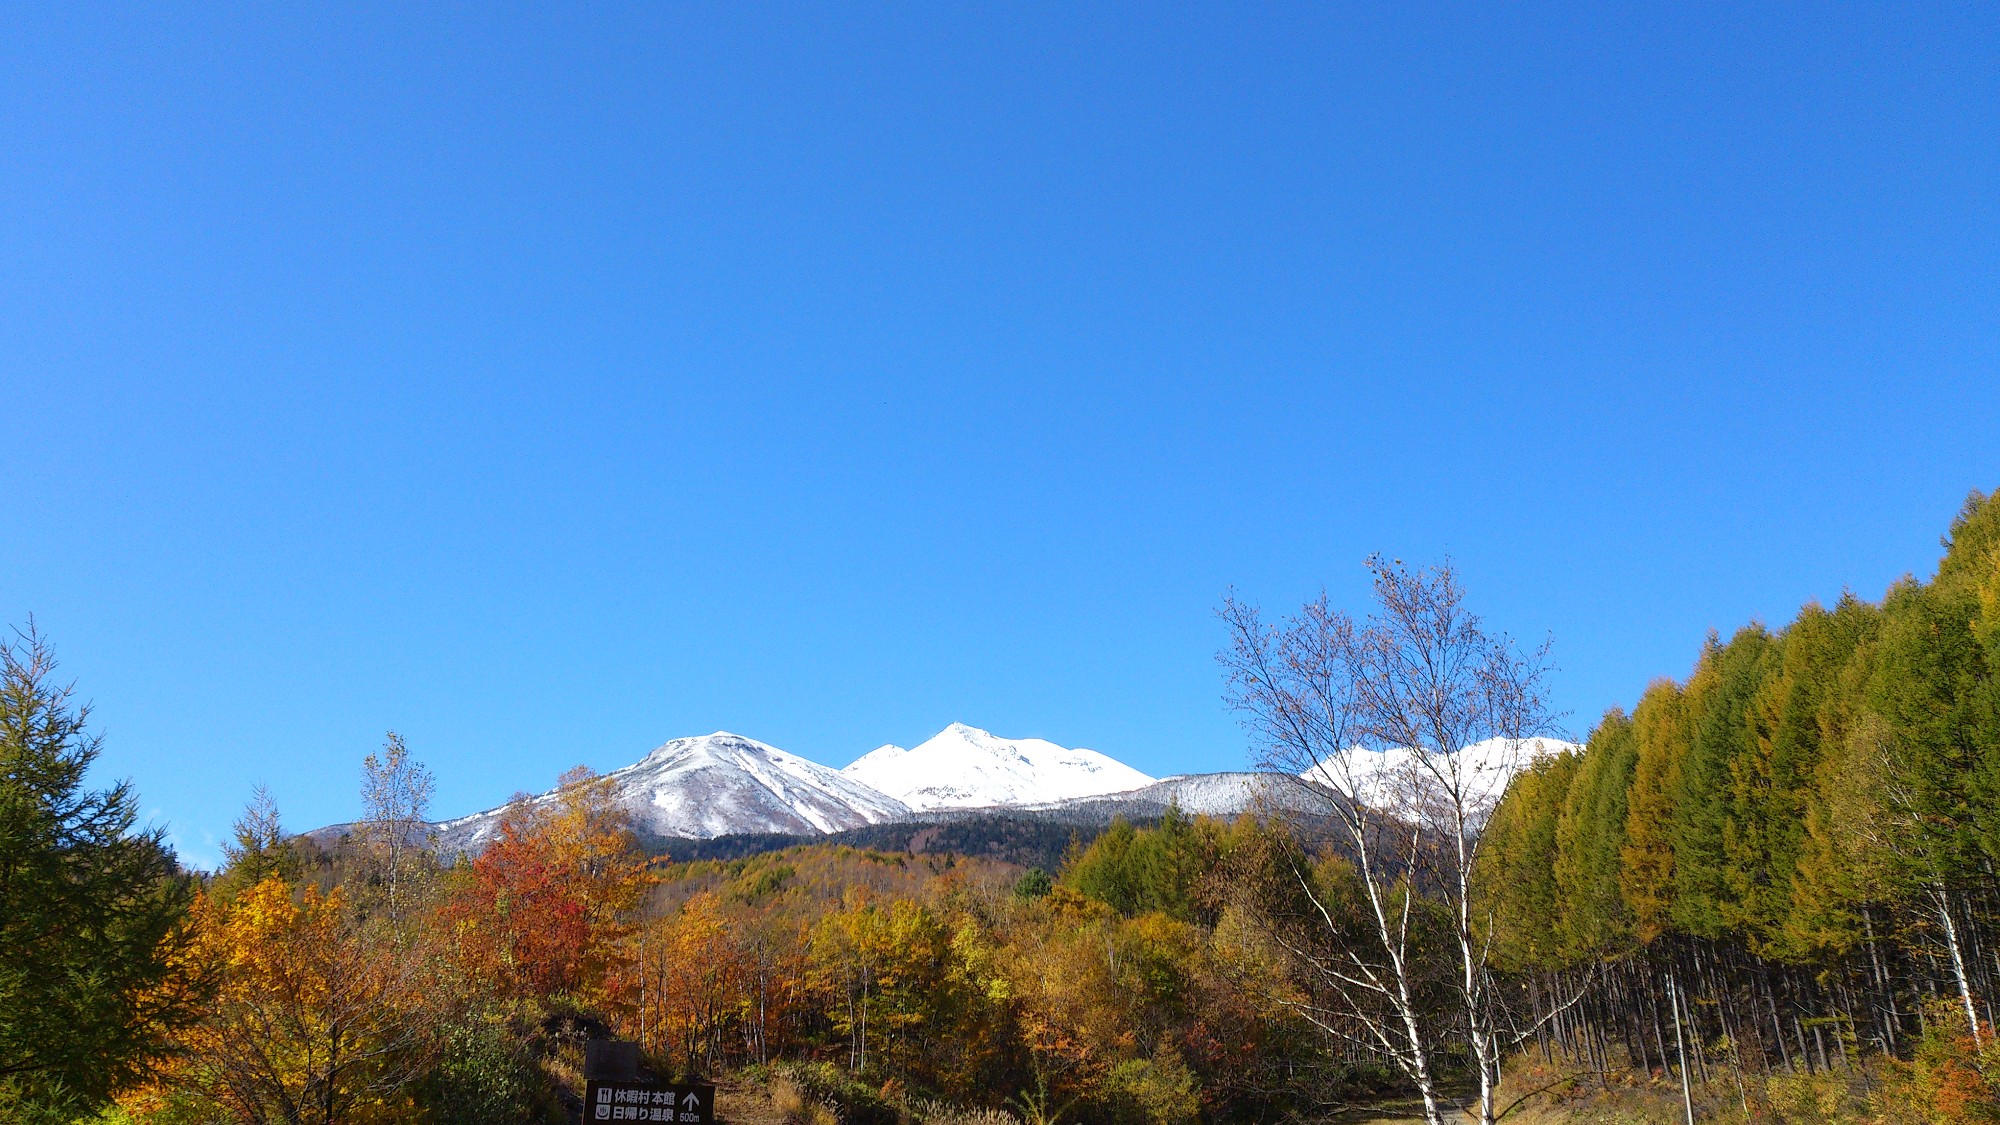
(1827, 900)
(1771, 778)
(1705, 821)
(1518, 866)
(1970, 571)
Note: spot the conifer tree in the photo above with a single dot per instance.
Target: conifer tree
(92, 911)
(1590, 841)
(1705, 818)
(1518, 866)
(256, 850)
(1646, 878)
(1772, 776)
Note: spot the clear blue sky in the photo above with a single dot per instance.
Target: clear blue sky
(545, 384)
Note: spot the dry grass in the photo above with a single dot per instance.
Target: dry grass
(796, 1106)
(1631, 1098)
(938, 1113)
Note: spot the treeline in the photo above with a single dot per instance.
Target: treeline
(371, 980)
(350, 984)
(1029, 840)
(1788, 859)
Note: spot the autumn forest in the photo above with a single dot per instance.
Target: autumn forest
(1765, 893)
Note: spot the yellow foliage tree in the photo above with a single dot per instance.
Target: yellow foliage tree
(311, 1024)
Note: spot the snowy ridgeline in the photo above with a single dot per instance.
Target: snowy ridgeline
(723, 784)
(1392, 778)
(965, 767)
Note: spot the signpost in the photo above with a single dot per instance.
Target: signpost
(685, 1103)
(613, 1091)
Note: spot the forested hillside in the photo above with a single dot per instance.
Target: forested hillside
(1794, 848)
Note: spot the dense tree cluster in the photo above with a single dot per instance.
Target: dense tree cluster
(1788, 858)
(371, 979)
(1130, 988)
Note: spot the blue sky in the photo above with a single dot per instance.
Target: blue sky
(544, 384)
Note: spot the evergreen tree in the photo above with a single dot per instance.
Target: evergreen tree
(1771, 778)
(1518, 866)
(1827, 910)
(1157, 868)
(1970, 574)
(1706, 821)
(92, 912)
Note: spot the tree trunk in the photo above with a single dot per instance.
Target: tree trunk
(1941, 905)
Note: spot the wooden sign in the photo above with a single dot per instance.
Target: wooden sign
(685, 1103)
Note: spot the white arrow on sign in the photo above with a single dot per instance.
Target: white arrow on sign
(690, 1102)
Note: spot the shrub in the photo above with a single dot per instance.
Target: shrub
(1951, 1078)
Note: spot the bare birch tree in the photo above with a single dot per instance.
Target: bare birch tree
(1371, 721)
(395, 796)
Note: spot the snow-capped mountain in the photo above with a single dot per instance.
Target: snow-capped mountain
(724, 784)
(720, 784)
(1386, 778)
(963, 767)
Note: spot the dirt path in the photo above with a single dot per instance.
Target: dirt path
(741, 1103)
(1410, 1112)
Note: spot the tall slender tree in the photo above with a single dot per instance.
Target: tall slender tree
(1415, 684)
(395, 796)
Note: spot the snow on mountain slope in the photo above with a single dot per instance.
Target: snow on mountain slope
(1384, 778)
(963, 767)
(717, 785)
(1196, 794)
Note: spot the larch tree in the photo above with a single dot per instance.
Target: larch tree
(1718, 696)
(1646, 877)
(256, 849)
(1590, 839)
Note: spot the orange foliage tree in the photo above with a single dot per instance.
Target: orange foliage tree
(686, 988)
(541, 911)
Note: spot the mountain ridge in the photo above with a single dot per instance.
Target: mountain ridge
(714, 785)
(724, 785)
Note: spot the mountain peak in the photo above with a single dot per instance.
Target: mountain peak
(720, 783)
(963, 766)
